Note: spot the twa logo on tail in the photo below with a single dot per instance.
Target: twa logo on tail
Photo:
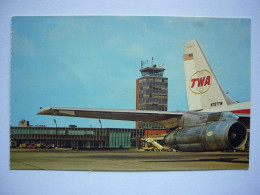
(200, 82)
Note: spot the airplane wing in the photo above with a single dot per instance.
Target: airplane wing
(130, 115)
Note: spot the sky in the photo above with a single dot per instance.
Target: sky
(94, 61)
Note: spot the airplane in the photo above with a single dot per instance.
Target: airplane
(200, 78)
(204, 92)
(214, 121)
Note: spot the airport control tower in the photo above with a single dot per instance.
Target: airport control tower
(151, 92)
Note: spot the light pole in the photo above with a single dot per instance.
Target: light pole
(101, 132)
(100, 123)
(55, 132)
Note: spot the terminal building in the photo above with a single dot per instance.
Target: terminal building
(75, 137)
(28, 136)
(151, 93)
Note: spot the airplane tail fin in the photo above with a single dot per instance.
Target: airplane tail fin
(203, 88)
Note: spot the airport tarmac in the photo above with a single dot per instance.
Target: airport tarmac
(124, 160)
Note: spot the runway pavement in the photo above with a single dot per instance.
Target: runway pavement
(124, 160)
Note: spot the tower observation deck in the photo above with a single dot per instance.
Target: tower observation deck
(151, 93)
(152, 71)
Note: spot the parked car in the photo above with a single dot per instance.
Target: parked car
(31, 146)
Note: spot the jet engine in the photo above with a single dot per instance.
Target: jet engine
(220, 135)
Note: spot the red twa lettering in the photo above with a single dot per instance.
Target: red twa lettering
(207, 82)
(193, 82)
(202, 81)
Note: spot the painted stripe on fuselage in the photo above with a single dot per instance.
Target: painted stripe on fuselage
(244, 111)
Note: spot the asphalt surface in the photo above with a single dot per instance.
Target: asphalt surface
(124, 160)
